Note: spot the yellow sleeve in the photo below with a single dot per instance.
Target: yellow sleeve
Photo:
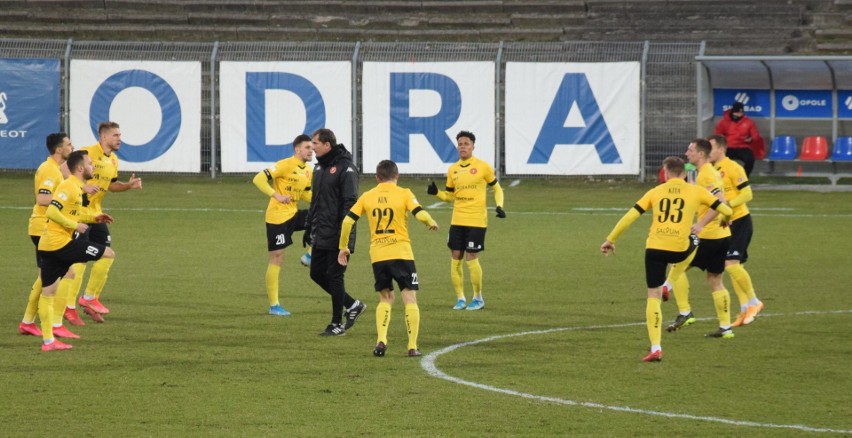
(55, 215)
(345, 231)
(445, 196)
(498, 194)
(307, 196)
(425, 217)
(261, 181)
(723, 209)
(744, 196)
(623, 224)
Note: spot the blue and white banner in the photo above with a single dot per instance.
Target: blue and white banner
(413, 111)
(29, 110)
(156, 103)
(572, 118)
(803, 104)
(756, 103)
(265, 105)
(844, 107)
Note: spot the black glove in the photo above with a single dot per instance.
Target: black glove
(306, 238)
(432, 189)
(501, 213)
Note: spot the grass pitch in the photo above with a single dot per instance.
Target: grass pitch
(189, 349)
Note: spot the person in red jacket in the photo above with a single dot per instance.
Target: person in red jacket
(744, 141)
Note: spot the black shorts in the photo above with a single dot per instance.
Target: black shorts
(401, 271)
(741, 231)
(711, 255)
(657, 260)
(97, 233)
(35, 240)
(467, 239)
(280, 236)
(56, 263)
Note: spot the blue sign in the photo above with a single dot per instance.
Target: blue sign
(169, 106)
(434, 127)
(811, 104)
(844, 104)
(574, 90)
(755, 102)
(256, 85)
(29, 110)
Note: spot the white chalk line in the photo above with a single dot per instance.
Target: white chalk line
(428, 364)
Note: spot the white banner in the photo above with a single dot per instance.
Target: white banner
(413, 111)
(572, 118)
(265, 105)
(156, 103)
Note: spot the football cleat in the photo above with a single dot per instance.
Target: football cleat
(724, 333)
(680, 322)
(63, 332)
(476, 304)
(739, 321)
(277, 310)
(414, 353)
(55, 346)
(460, 304)
(72, 317)
(752, 312)
(353, 313)
(93, 304)
(379, 351)
(29, 329)
(306, 259)
(334, 330)
(654, 356)
(94, 315)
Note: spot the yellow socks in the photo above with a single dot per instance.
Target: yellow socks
(475, 276)
(61, 299)
(722, 301)
(32, 302)
(742, 284)
(383, 316)
(79, 272)
(457, 277)
(98, 277)
(681, 294)
(272, 272)
(45, 313)
(412, 323)
(653, 319)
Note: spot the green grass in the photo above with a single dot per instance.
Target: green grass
(189, 350)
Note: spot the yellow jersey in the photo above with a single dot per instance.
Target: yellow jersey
(709, 178)
(290, 176)
(735, 180)
(47, 179)
(466, 182)
(106, 172)
(68, 198)
(388, 206)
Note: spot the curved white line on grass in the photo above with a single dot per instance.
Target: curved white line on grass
(428, 364)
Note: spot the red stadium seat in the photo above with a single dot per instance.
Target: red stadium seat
(814, 149)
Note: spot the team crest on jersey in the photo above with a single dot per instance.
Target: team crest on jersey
(722, 174)
(333, 170)
(473, 171)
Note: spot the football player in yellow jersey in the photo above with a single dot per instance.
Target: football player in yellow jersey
(105, 177)
(47, 178)
(466, 183)
(58, 248)
(737, 193)
(387, 206)
(671, 239)
(286, 183)
(710, 256)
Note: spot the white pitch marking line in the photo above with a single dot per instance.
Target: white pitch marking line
(428, 364)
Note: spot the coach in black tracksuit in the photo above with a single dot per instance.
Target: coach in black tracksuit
(335, 190)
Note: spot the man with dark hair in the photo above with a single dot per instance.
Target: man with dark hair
(671, 239)
(466, 185)
(48, 176)
(387, 206)
(335, 191)
(105, 178)
(744, 141)
(285, 183)
(58, 248)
